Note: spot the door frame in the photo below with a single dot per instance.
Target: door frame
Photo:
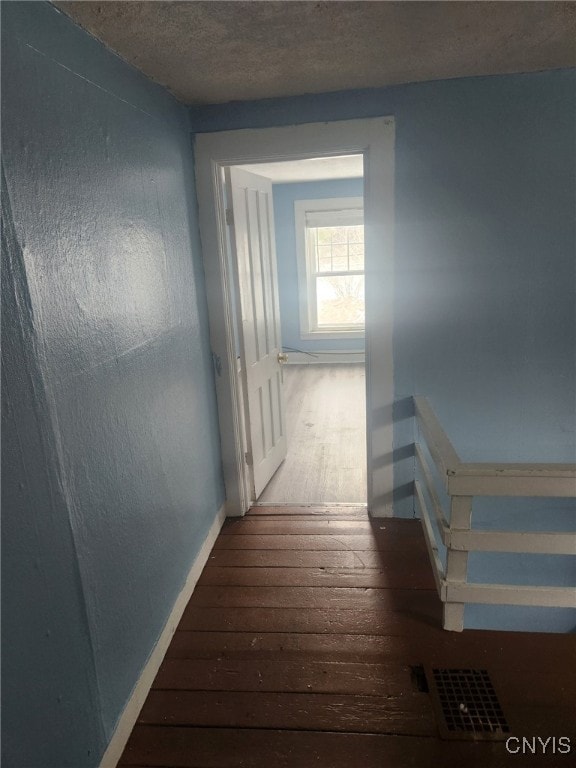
(374, 138)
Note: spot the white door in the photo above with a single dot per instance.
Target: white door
(260, 344)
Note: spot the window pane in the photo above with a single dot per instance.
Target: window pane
(324, 261)
(340, 300)
(340, 264)
(340, 249)
(356, 234)
(337, 249)
(339, 234)
(324, 236)
(356, 256)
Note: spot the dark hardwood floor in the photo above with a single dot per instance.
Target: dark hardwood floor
(300, 647)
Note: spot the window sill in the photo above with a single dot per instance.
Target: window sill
(332, 334)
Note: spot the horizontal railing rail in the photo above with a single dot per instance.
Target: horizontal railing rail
(463, 481)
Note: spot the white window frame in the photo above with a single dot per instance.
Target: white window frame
(306, 271)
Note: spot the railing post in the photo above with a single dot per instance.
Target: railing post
(457, 561)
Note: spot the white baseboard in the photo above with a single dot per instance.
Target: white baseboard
(320, 358)
(132, 709)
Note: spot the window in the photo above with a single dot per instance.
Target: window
(330, 238)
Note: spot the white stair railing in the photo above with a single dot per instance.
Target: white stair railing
(464, 481)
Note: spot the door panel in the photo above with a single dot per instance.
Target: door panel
(254, 243)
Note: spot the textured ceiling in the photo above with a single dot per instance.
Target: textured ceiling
(214, 52)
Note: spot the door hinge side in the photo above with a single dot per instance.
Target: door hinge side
(248, 457)
(229, 217)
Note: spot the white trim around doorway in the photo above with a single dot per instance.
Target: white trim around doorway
(374, 138)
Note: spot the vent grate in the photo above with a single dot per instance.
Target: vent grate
(468, 705)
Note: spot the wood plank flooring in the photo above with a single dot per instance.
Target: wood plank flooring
(298, 648)
(326, 432)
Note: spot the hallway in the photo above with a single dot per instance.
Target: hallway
(301, 646)
(122, 449)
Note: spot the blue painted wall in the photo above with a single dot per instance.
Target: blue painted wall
(484, 282)
(284, 197)
(111, 461)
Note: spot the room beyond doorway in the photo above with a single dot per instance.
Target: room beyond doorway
(326, 423)
(297, 251)
(216, 152)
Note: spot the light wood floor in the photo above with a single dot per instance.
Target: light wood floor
(326, 430)
(298, 647)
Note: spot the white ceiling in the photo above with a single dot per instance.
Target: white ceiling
(313, 169)
(216, 52)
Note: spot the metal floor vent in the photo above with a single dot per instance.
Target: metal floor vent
(466, 705)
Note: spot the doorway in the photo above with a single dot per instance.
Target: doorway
(306, 424)
(374, 139)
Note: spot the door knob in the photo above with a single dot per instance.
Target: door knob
(282, 357)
